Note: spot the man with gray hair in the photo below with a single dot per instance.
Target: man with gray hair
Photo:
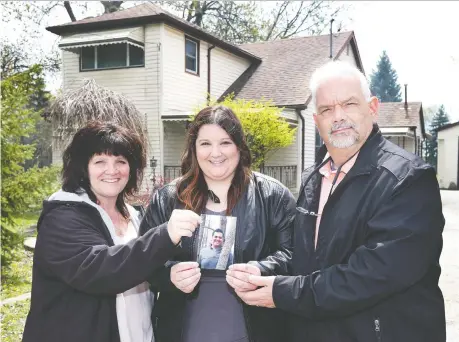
(368, 232)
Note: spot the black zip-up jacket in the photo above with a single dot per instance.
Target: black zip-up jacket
(374, 275)
(264, 226)
(77, 273)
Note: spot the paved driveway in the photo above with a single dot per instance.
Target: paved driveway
(449, 280)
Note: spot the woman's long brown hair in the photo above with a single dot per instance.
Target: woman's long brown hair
(192, 188)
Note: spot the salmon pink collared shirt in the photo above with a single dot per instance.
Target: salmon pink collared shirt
(328, 174)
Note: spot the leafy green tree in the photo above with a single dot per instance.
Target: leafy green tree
(22, 190)
(265, 129)
(384, 81)
(439, 120)
(15, 59)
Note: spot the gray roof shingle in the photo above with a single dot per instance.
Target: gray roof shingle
(144, 14)
(143, 10)
(287, 66)
(394, 114)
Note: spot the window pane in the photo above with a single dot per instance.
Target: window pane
(87, 58)
(190, 48)
(136, 55)
(190, 64)
(111, 56)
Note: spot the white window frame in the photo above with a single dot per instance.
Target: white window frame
(196, 43)
(128, 65)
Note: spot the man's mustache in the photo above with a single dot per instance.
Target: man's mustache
(341, 125)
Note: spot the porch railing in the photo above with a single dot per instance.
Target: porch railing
(171, 173)
(284, 174)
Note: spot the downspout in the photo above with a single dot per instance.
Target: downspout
(303, 133)
(208, 73)
(415, 143)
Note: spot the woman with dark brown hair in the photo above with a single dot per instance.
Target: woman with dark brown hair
(90, 267)
(197, 304)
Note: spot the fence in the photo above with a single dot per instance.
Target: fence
(171, 173)
(284, 174)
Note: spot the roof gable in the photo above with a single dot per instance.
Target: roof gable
(146, 13)
(396, 114)
(287, 66)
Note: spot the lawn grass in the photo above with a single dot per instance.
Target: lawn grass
(17, 278)
(13, 318)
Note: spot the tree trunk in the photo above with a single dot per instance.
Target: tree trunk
(230, 237)
(68, 7)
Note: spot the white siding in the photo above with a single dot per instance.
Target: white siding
(141, 85)
(182, 91)
(287, 155)
(224, 70)
(290, 155)
(174, 142)
(448, 141)
(409, 145)
(443, 173)
(290, 114)
(310, 137)
(406, 143)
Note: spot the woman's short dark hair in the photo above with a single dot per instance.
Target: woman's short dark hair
(103, 138)
(192, 187)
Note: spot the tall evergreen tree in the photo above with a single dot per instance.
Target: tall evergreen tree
(439, 120)
(23, 189)
(384, 81)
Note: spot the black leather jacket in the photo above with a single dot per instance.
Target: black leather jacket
(265, 215)
(374, 273)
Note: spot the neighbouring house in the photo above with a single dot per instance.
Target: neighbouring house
(448, 156)
(168, 66)
(283, 76)
(403, 124)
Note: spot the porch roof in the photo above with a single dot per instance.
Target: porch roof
(133, 36)
(398, 131)
(175, 117)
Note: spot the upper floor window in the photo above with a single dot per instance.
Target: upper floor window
(191, 55)
(111, 56)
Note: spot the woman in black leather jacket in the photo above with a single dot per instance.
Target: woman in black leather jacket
(199, 305)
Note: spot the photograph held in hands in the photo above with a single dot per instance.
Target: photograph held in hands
(215, 239)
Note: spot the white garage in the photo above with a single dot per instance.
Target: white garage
(448, 156)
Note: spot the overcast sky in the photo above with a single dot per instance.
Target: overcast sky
(422, 41)
(420, 37)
